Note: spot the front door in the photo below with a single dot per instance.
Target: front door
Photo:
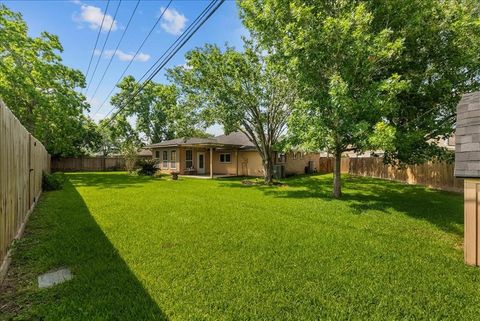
(201, 163)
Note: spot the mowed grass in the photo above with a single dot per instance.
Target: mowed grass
(156, 249)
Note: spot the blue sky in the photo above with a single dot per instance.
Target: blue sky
(77, 23)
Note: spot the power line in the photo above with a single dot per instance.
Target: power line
(135, 55)
(200, 16)
(189, 28)
(103, 47)
(167, 59)
(96, 41)
(116, 49)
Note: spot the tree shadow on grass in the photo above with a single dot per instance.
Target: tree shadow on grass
(62, 233)
(103, 180)
(444, 209)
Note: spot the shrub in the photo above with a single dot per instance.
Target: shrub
(53, 182)
(147, 166)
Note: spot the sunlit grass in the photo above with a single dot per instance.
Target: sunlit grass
(153, 249)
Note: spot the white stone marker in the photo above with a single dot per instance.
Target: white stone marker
(52, 278)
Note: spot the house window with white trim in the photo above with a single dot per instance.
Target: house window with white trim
(165, 159)
(294, 154)
(225, 158)
(173, 159)
(188, 159)
(157, 154)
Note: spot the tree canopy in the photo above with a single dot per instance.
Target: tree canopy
(40, 90)
(375, 73)
(242, 91)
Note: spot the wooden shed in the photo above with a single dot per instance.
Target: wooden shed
(467, 165)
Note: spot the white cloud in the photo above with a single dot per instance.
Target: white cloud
(93, 16)
(173, 21)
(123, 56)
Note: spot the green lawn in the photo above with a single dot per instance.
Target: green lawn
(155, 249)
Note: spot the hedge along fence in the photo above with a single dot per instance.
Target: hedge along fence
(22, 160)
(431, 174)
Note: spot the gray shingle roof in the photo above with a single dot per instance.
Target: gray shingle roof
(236, 139)
(467, 136)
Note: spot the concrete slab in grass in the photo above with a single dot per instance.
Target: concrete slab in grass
(50, 279)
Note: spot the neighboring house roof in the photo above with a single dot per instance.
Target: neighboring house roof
(144, 152)
(467, 136)
(236, 139)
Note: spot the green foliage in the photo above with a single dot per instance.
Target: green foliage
(430, 47)
(387, 251)
(129, 152)
(147, 166)
(53, 182)
(242, 91)
(158, 114)
(383, 137)
(40, 90)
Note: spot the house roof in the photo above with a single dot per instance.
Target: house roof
(467, 136)
(236, 139)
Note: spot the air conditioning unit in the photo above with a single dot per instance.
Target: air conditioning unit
(278, 171)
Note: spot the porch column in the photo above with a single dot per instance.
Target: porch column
(211, 162)
(236, 159)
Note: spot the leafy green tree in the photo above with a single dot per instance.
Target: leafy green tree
(158, 114)
(39, 89)
(117, 135)
(336, 57)
(242, 91)
(440, 59)
(391, 71)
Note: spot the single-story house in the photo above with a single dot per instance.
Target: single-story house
(225, 155)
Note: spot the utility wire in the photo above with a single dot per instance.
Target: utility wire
(104, 44)
(200, 16)
(135, 55)
(96, 41)
(175, 43)
(166, 60)
(116, 49)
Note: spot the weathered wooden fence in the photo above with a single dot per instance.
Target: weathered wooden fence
(22, 161)
(431, 174)
(87, 164)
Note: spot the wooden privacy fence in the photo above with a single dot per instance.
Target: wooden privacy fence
(433, 175)
(22, 160)
(88, 164)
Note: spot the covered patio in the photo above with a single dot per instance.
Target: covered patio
(222, 156)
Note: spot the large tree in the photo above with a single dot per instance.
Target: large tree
(336, 61)
(372, 73)
(39, 89)
(242, 91)
(157, 112)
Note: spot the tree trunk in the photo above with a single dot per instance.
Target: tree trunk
(268, 170)
(337, 183)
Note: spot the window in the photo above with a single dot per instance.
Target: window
(225, 158)
(157, 154)
(165, 159)
(281, 158)
(294, 155)
(188, 158)
(173, 159)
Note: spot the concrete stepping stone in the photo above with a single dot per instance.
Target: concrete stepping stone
(50, 279)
